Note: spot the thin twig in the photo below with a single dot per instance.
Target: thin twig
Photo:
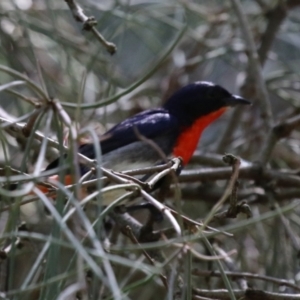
(235, 163)
(249, 294)
(278, 281)
(254, 64)
(16, 130)
(27, 129)
(149, 198)
(231, 266)
(253, 172)
(278, 132)
(89, 24)
(148, 257)
(275, 17)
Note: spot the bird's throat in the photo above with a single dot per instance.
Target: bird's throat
(188, 140)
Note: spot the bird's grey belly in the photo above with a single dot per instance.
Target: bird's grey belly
(136, 155)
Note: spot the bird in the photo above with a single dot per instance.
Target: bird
(175, 128)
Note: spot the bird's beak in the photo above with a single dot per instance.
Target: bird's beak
(236, 100)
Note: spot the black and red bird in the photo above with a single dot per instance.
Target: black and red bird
(175, 128)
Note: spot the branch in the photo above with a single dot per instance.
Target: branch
(254, 65)
(16, 131)
(253, 195)
(228, 261)
(252, 172)
(235, 163)
(281, 282)
(89, 25)
(275, 17)
(162, 208)
(135, 241)
(278, 132)
(249, 294)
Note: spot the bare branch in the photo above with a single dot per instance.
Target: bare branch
(278, 132)
(254, 64)
(281, 282)
(89, 24)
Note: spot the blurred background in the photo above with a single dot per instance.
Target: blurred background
(162, 46)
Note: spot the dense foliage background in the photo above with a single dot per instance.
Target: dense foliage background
(59, 81)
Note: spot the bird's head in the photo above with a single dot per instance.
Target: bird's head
(200, 99)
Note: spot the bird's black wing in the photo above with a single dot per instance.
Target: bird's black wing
(150, 124)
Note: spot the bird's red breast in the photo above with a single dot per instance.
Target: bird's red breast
(188, 139)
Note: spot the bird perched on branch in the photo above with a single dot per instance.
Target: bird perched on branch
(174, 129)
